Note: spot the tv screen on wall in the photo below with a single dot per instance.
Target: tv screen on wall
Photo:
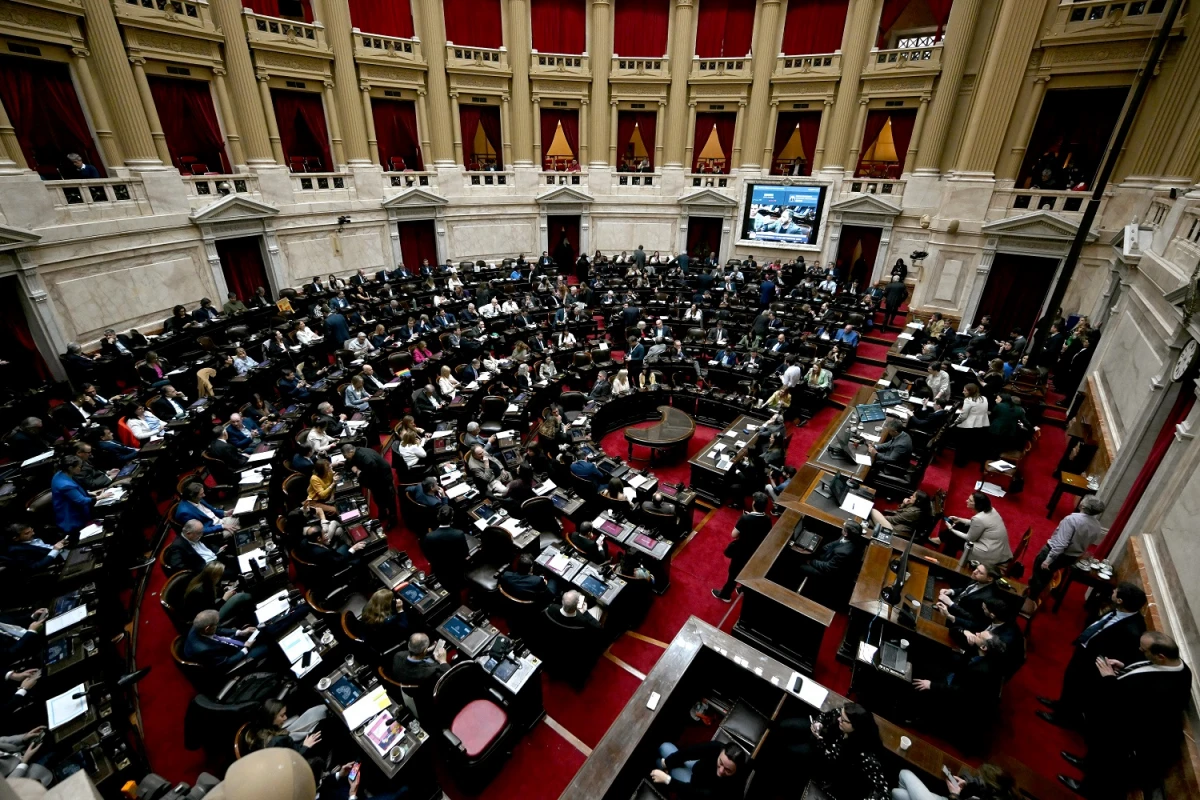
(783, 215)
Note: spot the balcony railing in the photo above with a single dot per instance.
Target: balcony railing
(374, 45)
(720, 68)
(213, 187)
(406, 180)
(284, 33)
(880, 186)
(479, 57)
(1090, 15)
(818, 64)
(96, 200)
(650, 68)
(554, 178)
(906, 58)
(488, 178)
(189, 14)
(641, 179)
(312, 187)
(561, 65)
(1018, 202)
(708, 180)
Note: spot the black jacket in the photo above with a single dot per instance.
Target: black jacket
(180, 556)
(589, 547)
(447, 551)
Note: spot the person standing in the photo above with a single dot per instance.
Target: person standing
(376, 476)
(748, 534)
(1073, 537)
(894, 295)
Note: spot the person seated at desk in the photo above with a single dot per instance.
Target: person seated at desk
(219, 649)
(243, 433)
(986, 531)
(614, 494)
(727, 357)
(895, 445)
(1000, 615)
(584, 540)
(233, 305)
(171, 405)
(602, 388)
(318, 437)
(223, 451)
(409, 448)
(780, 400)
(143, 424)
(301, 461)
(519, 490)
(472, 438)
(428, 493)
(109, 453)
(955, 702)
(26, 550)
(203, 593)
(242, 362)
(520, 583)
(193, 506)
(383, 621)
(586, 470)
(912, 516)
(90, 478)
(839, 747)
(658, 505)
(271, 727)
(930, 418)
(833, 564)
(325, 546)
(420, 666)
(847, 335)
(620, 384)
(322, 486)
(360, 346)
(187, 553)
(709, 769)
(571, 613)
(291, 387)
(487, 472)
(964, 607)
(818, 379)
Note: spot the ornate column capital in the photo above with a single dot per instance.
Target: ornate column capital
(81, 52)
(219, 71)
(453, 95)
(421, 91)
(741, 102)
(536, 99)
(262, 75)
(613, 103)
(504, 98)
(691, 103)
(862, 101)
(328, 84)
(364, 86)
(662, 102)
(828, 101)
(137, 60)
(583, 101)
(774, 102)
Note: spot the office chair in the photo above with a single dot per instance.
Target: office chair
(171, 598)
(491, 414)
(746, 726)
(541, 515)
(417, 517)
(402, 693)
(295, 490)
(41, 508)
(496, 552)
(474, 721)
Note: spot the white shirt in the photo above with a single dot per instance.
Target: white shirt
(447, 386)
(244, 364)
(792, 376)
(509, 307)
(306, 336)
(357, 345)
(490, 310)
(146, 427)
(620, 387)
(411, 453)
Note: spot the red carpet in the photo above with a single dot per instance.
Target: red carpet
(544, 761)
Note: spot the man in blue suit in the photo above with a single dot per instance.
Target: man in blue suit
(727, 358)
(243, 433)
(847, 335)
(194, 506)
(336, 329)
(72, 504)
(588, 471)
(216, 648)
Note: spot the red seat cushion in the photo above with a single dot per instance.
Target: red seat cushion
(478, 725)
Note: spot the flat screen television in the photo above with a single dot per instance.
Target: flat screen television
(783, 215)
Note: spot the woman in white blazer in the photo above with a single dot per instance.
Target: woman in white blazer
(971, 427)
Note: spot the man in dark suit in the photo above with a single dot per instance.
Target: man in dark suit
(630, 315)
(375, 475)
(520, 583)
(780, 345)
(572, 614)
(1114, 635)
(447, 550)
(425, 401)
(833, 563)
(28, 552)
(205, 313)
(634, 358)
(171, 405)
(896, 447)
(749, 532)
(894, 295)
(969, 692)
(639, 257)
(584, 540)
(27, 439)
(225, 452)
(187, 553)
(681, 261)
(1000, 614)
(220, 649)
(337, 330)
(419, 667)
(717, 334)
(964, 607)
(319, 546)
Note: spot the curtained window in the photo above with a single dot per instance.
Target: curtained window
(474, 23)
(713, 145)
(703, 236)
(795, 141)
(560, 138)
(725, 28)
(26, 368)
(45, 113)
(418, 242)
(635, 140)
(189, 121)
(1069, 138)
(640, 28)
(559, 26)
(912, 15)
(814, 26)
(384, 17)
(302, 131)
(242, 265)
(396, 132)
(481, 137)
(289, 9)
(1016, 287)
(886, 137)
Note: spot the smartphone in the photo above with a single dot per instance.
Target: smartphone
(353, 776)
(946, 771)
(306, 659)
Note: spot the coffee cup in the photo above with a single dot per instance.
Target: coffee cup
(904, 644)
(905, 743)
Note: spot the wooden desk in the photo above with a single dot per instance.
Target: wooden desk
(674, 429)
(1070, 483)
(709, 481)
(828, 461)
(811, 503)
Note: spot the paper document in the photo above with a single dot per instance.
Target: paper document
(295, 644)
(245, 504)
(257, 554)
(513, 408)
(63, 621)
(265, 455)
(511, 525)
(546, 488)
(961, 368)
(883, 382)
(272, 610)
(366, 707)
(558, 563)
(637, 480)
(458, 490)
(866, 652)
(870, 437)
(440, 434)
(481, 523)
(916, 325)
(62, 709)
(1001, 465)
(862, 458)
(272, 598)
(739, 444)
(37, 459)
(989, 488)
(857, 506)
(630, 493)
(808, 690)
(251, 477)
(450, 477)
(95, 529)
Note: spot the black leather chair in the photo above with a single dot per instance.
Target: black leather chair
(541, 515)
(572, 404)
(491, 414)
(171, 598)
(474, 721)
(496, 552)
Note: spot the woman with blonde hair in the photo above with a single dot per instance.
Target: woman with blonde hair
(447, 384)
(620, 384)
(383, 620)
(321, 486)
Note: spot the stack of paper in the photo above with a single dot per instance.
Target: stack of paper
(63, 621)
(245, 505)
(95, 529)
(257, 555)
(989, 488)
(62, 709)
(458, 490)
(265, 455)
(251, 477)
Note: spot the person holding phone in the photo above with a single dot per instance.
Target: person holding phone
(345, 783)
(17, 754)
(989, 783)
(840, 746)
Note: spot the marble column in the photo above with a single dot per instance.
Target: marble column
(601, 55)
(229, 121)
(335, 129)
(768, 152)
(506, 126)
(997, 86)
(423, 127)
(444, 139)
(244, 93)
(11, 158)
(862, 22)
(1029, 113)
(910, 158)
(739, 131)
(519, 56)
(147, 98)
(117, 83)
(960, 30)
(456, 124)
(817, 157)
(856, 135)
(612, 133)
(689, 162)
(538, 161)
(369, 116)
(346, 105)
(268, 112)
(760, 125)
(682, 47)
(110, 148)
(660, 120)
(1159, 133)
(584, 130)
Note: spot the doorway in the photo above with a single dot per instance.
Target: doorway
(1015, 292)
(26, 368)
(857, 249)
(703, 236)
(562, 239)
(418, 243)
(242, 265)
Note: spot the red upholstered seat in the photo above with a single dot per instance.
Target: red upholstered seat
(478, 725)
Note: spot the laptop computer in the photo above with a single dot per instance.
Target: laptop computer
(870, 412)
(887, 398)
(892, 658)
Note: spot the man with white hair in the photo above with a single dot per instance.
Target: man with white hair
(472, 438)
(488, 473)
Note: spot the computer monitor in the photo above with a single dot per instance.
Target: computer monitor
(870, 412)
(457, 628)
(412, 593)
(594, 586)
(893, 593)
(888, 398)
(839, 487)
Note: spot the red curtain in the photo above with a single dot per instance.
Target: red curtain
(1162, 443)
(569, 118)
(301, 118)
(385, 17)
(724, 123)
(810, 125)
(473, 23)
(703, 236)
(25, 360)
(45, 112)
(559, 26)
(1014, 308)
(471, 118)
(640, 28)
(189, 121)
(902, 130)
(556, 227)
(418, 243)
(892, 9)
(396, 132)
(646, 122)
(814, 26)
(941, 12)
(725, 28)
(278, 8)
(875, 121)
(242, 266)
